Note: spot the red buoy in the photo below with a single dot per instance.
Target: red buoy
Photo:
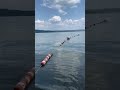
(47, 58)
(25, 81)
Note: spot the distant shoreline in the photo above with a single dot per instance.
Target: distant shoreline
(7, 12)
(43, 31)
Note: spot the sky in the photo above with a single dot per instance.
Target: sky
(59, 14)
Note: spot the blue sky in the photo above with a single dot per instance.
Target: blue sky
(59, 14)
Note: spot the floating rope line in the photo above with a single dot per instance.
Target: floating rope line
(29, 76)
(25, 81)
(37, 70)
(67, 39)
(47, 58)
(44, 61)
(92, 25)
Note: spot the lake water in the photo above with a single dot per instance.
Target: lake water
(66, 69)
(16, 49)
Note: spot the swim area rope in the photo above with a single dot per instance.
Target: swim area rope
(29, 76)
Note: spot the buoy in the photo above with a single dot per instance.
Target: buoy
(25, 81)
(47, 58)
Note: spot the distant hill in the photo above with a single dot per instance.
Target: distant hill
(7, 12)
(103, 11)
(48, 31)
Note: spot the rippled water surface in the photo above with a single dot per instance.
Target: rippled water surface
(65, 70)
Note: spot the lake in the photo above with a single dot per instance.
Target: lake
(66, 69)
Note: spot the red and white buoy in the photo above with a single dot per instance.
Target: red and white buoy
(25, 81)
(47, 58)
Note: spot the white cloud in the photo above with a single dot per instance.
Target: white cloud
(60, 5)
(75, 6)
(40, 22)
(56, 22)
(55, 19)
(73, 2)
(83, 19)
(68, 22)
(62, 12)
(74, 22)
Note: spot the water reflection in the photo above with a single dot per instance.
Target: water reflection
(65, 70)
